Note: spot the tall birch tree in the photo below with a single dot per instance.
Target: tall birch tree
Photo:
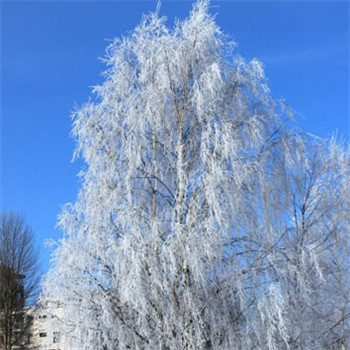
(205, 220)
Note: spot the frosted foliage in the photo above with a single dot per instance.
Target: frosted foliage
(204, 220)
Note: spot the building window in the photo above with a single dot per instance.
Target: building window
(56, 337)
(42, 334)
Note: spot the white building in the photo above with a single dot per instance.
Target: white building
(46, 331)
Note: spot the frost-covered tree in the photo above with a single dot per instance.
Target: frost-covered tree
(204, 220)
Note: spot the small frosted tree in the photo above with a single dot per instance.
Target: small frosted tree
(204, 221)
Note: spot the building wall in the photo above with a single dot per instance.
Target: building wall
(46, 333)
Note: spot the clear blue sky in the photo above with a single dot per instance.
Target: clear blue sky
(49, 54)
